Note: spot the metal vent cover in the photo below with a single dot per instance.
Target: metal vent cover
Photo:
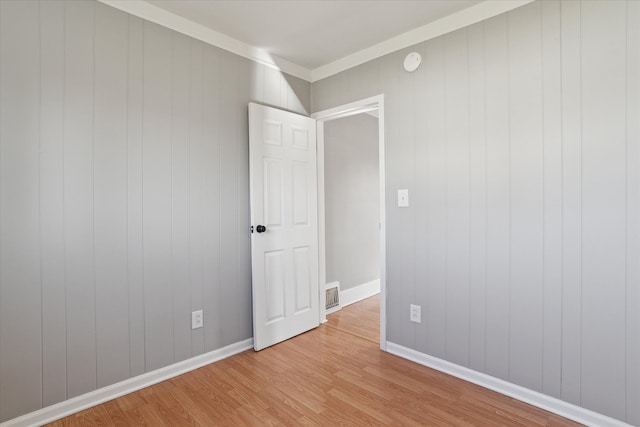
(332, 297)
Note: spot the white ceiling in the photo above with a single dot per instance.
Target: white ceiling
(312, 33)
(314, 39)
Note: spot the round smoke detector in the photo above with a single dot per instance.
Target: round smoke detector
(412, 61)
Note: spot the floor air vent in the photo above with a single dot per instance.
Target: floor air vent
(332, 294)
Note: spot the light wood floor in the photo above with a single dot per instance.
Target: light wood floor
(334, 375)
(361, 320)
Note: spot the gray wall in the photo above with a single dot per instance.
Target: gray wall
(124, 197)
(352, 197)
(519, 141)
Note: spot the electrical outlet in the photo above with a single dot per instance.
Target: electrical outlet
(414, 313)
(196, 319)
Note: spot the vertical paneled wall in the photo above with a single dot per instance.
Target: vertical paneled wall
(124, 197)
(518, 139)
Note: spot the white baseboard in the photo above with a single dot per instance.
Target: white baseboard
(548, 403)
(104, 394)
(358, 293)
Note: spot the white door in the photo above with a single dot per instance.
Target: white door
(284, 241)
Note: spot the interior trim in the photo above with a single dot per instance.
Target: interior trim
(157, 15)
(346, 110)
(104, 394)
(542, 401)
(463, 18)
(481, 11)
(360, 292)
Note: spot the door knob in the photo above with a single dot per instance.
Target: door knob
(261, 229)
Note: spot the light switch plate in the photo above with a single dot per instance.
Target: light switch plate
(403, 198)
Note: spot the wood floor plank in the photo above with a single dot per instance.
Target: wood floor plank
(334, 375)
(146, 415)
(130, 401)
(361, 319)
(115, 413)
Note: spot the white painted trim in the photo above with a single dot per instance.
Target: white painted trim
(463, 18)
(542, 401)
(360, 292)
(383, 226)
(357, 107)
(363, 106)
(479, 12)
(104, 394)
(322, 247)
(332, 285)
(152, 13)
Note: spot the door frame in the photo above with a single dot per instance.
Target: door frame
(362, 106)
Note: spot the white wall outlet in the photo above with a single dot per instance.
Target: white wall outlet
(414, 313)
(403, 198)
(196, 319)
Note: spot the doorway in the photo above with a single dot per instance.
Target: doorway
(373, 106)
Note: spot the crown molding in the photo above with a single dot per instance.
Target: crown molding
(157, 15)
(481, 11)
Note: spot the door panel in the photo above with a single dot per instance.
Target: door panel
(300, 194)
(284, 200)
(273, 189)
(272, 132)
(274, 285)
(302, 264)
(300, 138)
